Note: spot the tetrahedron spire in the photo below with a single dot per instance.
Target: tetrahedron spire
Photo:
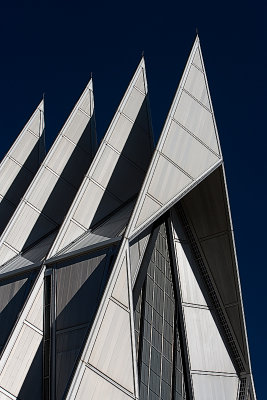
(54, 186)
(188, 148)
(122, 157)
(20, 164)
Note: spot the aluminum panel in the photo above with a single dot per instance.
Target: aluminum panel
(95, 387)
(13, 293)
(167, 181)
(20, 359)
(79, 284)
(6, 253)
(207, 350)
(22, 228)
(140, 82)
(148, 208)
(24, 147)
(15, 188)
(9, 171)
(3, 396)
(197, 59)
(215, 387)
(93, 195)
(196, 85)
(105, 166)
(133, 104)
(220, 259)
(87, 104)
(205, 205)
(197, 120)
(76, 126)
(120, 291)
(120, 133)
(187, 152)
(71, 231)
(52, 196)
(190, 281)
(35, 315)
(43, 189)
(112, 351)
(62, 152)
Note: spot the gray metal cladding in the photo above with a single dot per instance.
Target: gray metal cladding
(207, 210)
(123, 156)
(18, 167)
(157, 338)
(53, 188)
(13, 294)
(79, 285)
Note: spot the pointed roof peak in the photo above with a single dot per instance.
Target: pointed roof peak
(41, 105)
(90, 83)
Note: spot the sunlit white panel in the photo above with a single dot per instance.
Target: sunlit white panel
(120, 132)
(195, 84)
(63, 150)
(23, 225)
(133, 104)
(20, 360)
(51, 195)
(188, 275)
(92, 196)
(6, 253)
(197, 60)
(76, 126)
(112, 351)
(3, 396)
(149, 207)
(105, 166)
(187, 152)
(214, 387)
(37, 121)
(94, 387)
(72, 231)
(87, 104)
(22, 151)
(140, 82)
(120, 291)
(134, 256)
(218, 254)
(167, 181)
(8, 173)
(43, 188)
(197, 120)
(35, 315)
(207, 351)
(17, 186)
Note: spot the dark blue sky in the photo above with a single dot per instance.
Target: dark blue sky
(53, 49)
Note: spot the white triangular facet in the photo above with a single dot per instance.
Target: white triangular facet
(120, 291)
(18, 167)
(20, 353)
(215, 387)
(54, 186)
(122, 157)
(148, 206)
(197, 60)
(110, 346)
(188, 148)
(95, 387)
(207, 349)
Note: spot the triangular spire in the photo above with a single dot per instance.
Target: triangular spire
(122, 157)
(188, 148)
(109, 353)
(20, 164)
(53, 188)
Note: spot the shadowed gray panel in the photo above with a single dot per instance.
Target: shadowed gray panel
(80, 283)
(13, 293)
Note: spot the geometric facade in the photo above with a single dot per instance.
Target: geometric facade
(118, 270)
